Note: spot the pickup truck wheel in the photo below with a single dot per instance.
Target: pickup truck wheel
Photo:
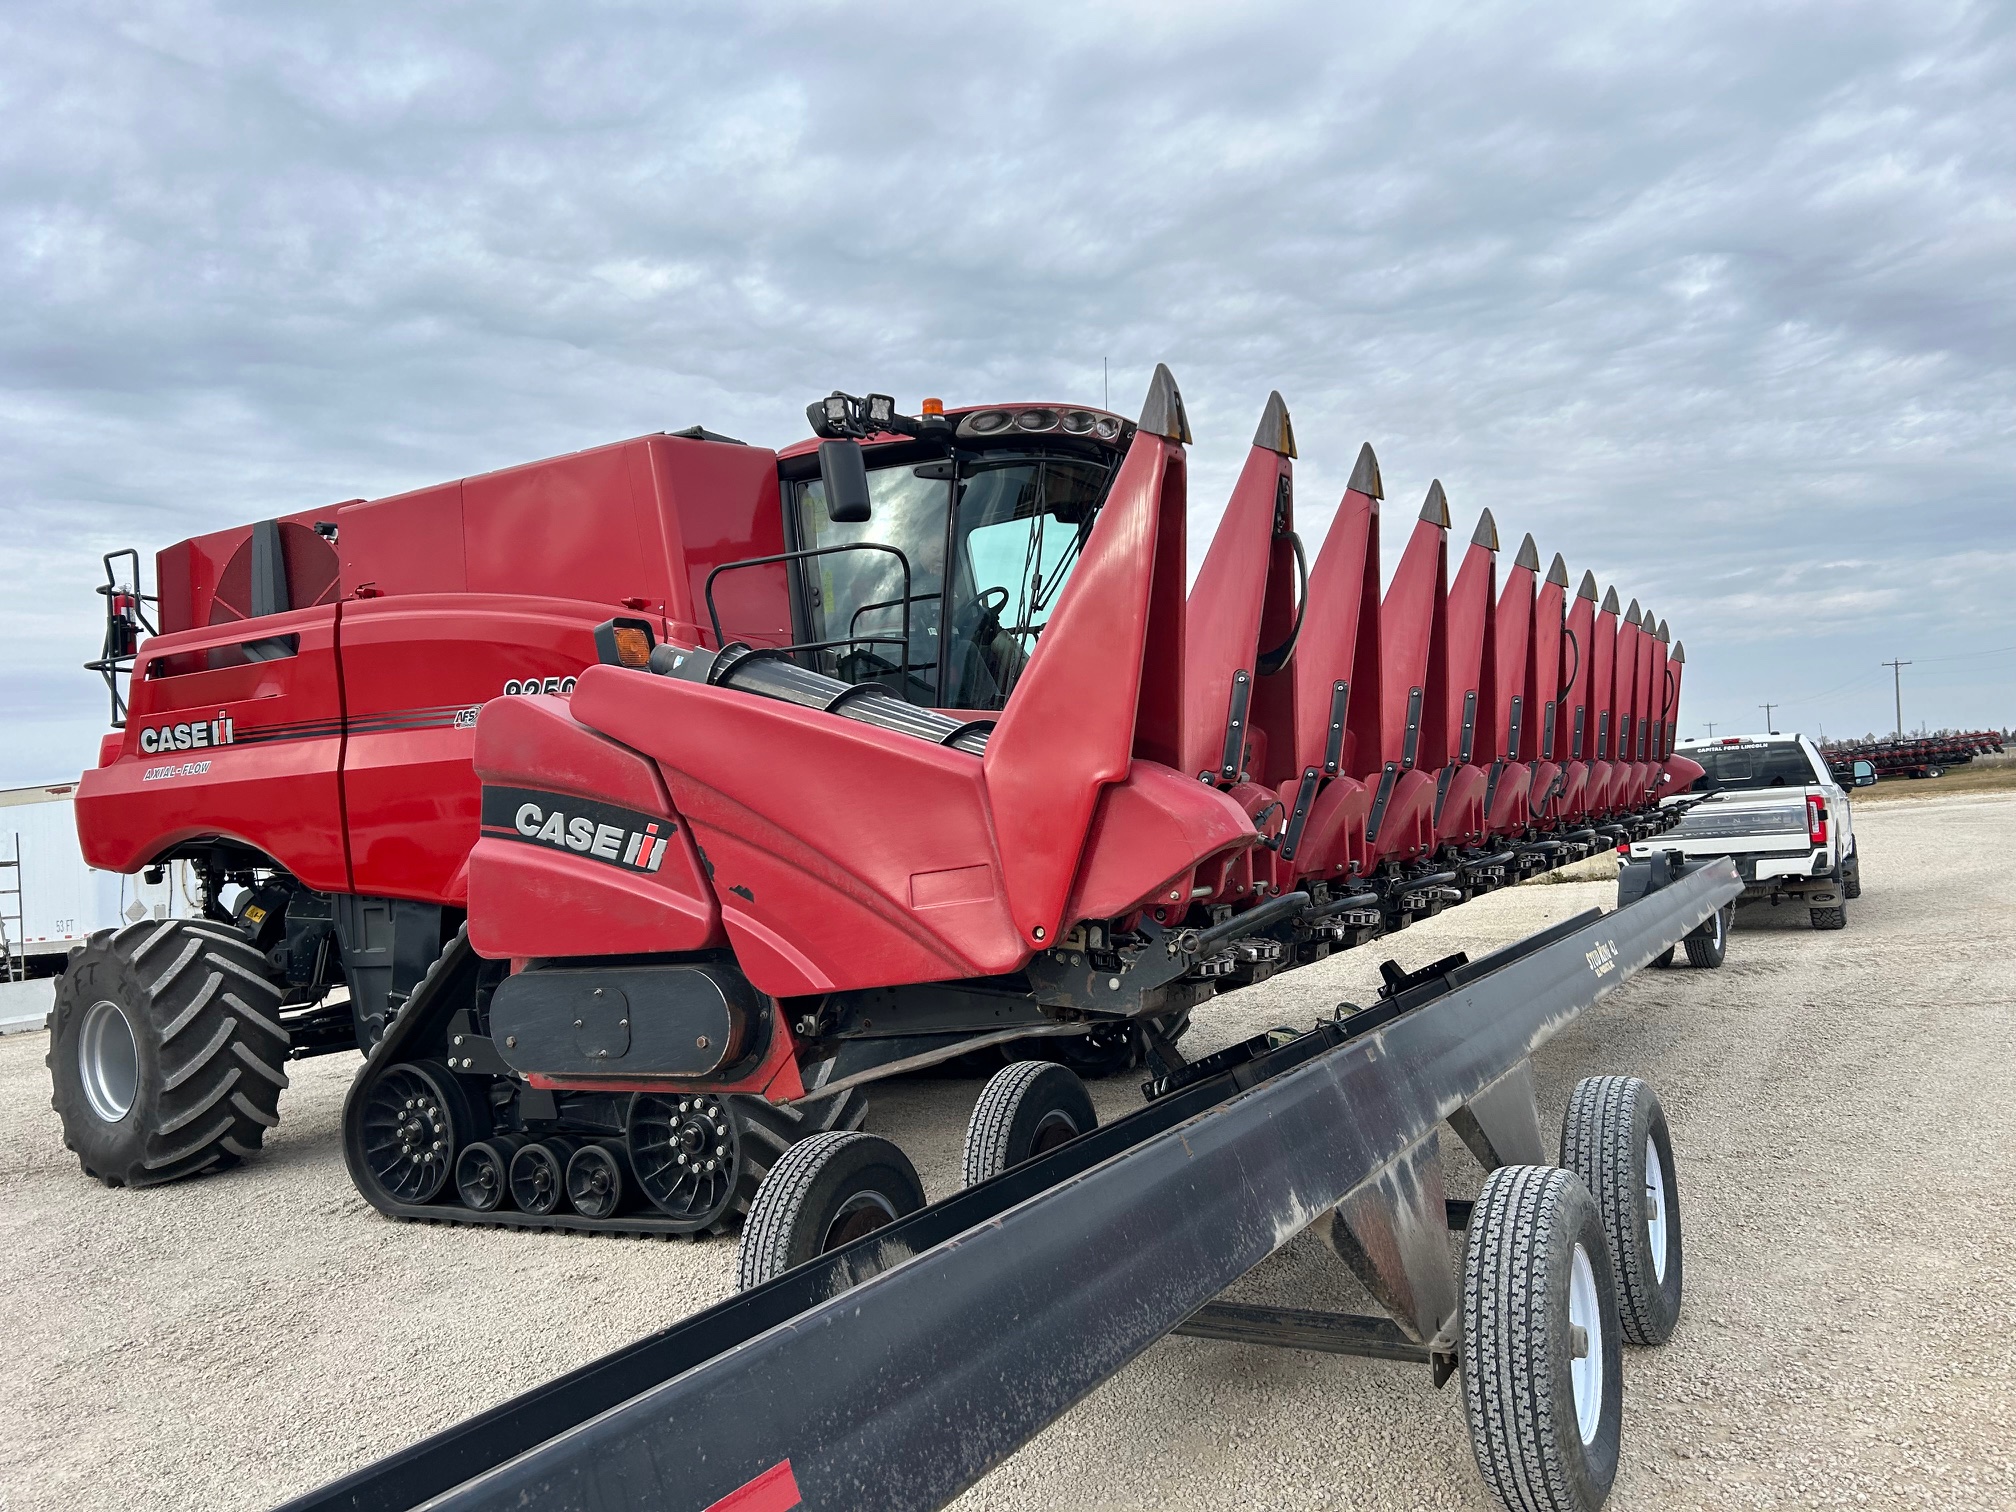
(166, 1051)
(1708, 946)
(1851, 879)
(1829, 918)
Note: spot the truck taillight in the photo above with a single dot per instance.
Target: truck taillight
(1816, 819)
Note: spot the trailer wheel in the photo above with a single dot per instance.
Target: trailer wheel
(1664, 960)
(1026, 1110)
(1829, 918)
(166, 1051)
(1708, 946)
(824, 1192)
(1615, 1138)
(1542, 1361)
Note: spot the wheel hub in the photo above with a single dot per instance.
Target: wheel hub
(108, 1061)
(1585, 1327)
(409, 1134)
(686, 1154)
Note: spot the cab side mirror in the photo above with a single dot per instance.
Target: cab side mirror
(1865, 773)
(843, 475)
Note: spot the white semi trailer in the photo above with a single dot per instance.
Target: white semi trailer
(50, 901)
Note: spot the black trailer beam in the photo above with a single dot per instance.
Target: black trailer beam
(896, 1372)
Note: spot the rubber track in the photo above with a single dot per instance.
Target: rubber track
(1600, 1143)
(771, 1125)
(1506, 1362)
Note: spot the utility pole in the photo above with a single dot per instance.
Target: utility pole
(1105, 386)
(1897, 687)
(1711, 728)
(1767, 708)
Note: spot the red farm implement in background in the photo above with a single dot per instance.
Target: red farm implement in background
(691, 788)
(1921, 756)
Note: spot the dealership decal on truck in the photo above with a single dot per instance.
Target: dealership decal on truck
(187, 737)
(599, 831)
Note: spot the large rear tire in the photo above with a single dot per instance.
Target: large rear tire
(1829, 918)
(166, 1051)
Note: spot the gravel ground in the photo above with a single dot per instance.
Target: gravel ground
(1838, 1107)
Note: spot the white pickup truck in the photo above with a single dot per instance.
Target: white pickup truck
(1769, 803)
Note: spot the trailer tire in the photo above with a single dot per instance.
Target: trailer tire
(1544, 1421)
(1026, 1110)
(1829, 918)
(826, 1191)
(166, 1051)
(1614, 1136)
(1664, 960)
(1708, 946)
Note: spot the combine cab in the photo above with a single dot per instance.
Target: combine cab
(636, 810)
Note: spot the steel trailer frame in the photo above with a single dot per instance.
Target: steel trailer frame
(898, 1370)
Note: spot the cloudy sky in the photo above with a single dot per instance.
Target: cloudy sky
(1719, 302)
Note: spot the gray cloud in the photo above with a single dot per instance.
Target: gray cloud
(1717, 302)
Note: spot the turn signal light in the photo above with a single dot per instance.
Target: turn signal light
(624, 642)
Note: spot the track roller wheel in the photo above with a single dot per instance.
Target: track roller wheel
(166, 1051)
(1027, 1109)
(483, 1171)
(414, 1120)
(598, 1180)
(1542, 1360)
(825, 1192)
(539, 1175)
(1614, 1137)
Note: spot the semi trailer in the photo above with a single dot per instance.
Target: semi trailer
(636, 810)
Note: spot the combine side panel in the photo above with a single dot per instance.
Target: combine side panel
(417, 669)
(823, 884)
(582, 852)
(235, 731)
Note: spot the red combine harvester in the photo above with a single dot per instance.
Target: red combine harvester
(685, 788)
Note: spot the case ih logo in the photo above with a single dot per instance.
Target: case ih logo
(187, 737)
(598, 830)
